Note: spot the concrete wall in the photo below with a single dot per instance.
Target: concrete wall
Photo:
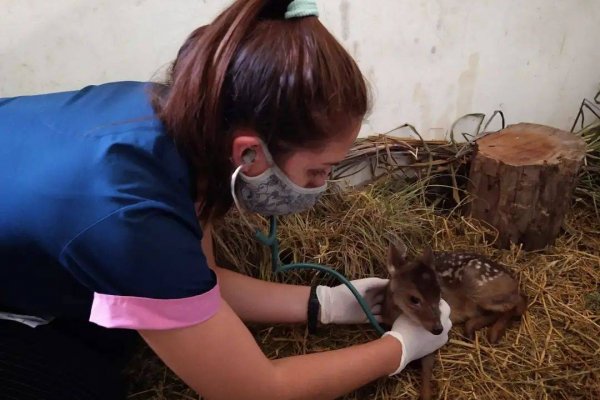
(429, 61)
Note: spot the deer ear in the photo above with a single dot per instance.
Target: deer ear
(427, 257)
(396, 256)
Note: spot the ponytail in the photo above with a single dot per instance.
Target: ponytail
(289, 80)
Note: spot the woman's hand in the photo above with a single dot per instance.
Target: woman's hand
(418, 342)
(339, 306)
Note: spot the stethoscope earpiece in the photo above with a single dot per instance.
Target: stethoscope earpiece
(248, 156)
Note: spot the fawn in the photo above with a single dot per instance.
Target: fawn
(479, 291)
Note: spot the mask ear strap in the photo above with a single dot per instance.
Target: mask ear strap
(267, 153)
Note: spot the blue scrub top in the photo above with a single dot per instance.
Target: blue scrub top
(97, 219)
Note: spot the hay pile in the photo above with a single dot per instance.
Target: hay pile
(439, 165)
(554, 353)
(588, 189)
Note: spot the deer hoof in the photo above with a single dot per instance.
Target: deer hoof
(469, 332)
(494, 335)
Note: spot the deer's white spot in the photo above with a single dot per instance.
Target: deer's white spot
(458, 275)
(447, 272)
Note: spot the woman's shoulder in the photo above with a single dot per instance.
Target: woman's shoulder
(101, 143)
(84, 111)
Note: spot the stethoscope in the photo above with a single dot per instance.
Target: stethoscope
(277, 266)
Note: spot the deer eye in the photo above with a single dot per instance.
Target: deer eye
(414, 300)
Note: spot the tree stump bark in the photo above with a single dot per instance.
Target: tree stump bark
(521, 182)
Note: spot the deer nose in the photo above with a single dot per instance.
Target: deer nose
(437, 330)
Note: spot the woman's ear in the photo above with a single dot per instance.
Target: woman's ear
(247, 150)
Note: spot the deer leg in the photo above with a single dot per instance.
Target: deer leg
(496, 331)
(426, 372)
(479, 322)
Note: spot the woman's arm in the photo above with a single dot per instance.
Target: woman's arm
(254, 300)
(220, 359)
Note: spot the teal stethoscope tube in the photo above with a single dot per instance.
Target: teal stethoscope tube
(271, 241)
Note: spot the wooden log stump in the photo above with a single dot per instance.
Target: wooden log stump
(521, 182)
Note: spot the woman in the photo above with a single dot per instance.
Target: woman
(102, 190)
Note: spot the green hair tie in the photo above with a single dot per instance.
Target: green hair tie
(302, 8)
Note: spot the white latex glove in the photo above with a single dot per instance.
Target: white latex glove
(418, 342)
(339, 306)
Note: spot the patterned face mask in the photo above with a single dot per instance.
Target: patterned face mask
(272, 192)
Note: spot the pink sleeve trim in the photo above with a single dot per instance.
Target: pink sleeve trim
(146, 313)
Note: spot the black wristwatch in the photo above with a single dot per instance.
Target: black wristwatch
(313, 309)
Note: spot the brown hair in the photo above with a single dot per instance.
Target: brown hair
(288, 80)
